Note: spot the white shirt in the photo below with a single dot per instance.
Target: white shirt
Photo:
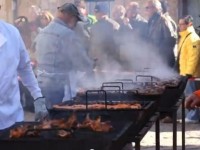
(14, 61)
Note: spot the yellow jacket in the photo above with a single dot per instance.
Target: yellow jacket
(189, 49)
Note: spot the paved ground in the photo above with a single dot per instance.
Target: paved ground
(192, 137)
(148, 143)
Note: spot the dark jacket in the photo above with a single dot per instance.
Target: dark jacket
(139, 25)
(83, 34)
(161, 37)
(102, 45)
(123, 27)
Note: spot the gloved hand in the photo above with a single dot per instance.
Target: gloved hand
(40, 109)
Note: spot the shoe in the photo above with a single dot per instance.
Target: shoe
(167, 119)
(191, 121)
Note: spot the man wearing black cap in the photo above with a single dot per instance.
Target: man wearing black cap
(69, 14)
(103, 47)
(59, 52)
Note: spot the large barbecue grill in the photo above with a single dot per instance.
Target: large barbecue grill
(151, 88)
(136, 118)
(169, 100)
(140, 117)
(127, 123)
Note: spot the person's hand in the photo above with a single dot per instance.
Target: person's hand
(192, 101)
(40, 109)
(126, 21)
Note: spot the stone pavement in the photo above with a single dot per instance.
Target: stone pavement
(192, 137)
(148, 142)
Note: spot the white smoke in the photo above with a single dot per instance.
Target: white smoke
(138, 57)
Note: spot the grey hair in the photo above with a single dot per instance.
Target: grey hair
(36, 9)
(120, 8)
(156, 4)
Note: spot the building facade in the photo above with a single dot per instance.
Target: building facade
(10, 9)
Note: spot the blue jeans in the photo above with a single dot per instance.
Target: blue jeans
(190, 88)
(193, 114)
(53, 89)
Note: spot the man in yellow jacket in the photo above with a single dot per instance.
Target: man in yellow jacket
(189, 60)
(188, 49)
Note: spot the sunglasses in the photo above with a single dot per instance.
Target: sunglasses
(181, 24)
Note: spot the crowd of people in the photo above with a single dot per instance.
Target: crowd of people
(71, 44)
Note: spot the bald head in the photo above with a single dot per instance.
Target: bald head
(118, 12)
(152, 7)
(133, 5)
(156, 4)
(132, 9)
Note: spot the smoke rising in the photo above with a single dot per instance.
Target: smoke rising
(135, 57)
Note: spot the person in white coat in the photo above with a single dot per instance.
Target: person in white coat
(16, 62)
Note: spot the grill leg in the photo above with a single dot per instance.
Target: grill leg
(174, 130)
(157, 134)
(183, 123)
(137, 145)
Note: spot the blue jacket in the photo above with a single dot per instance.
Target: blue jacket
(58, 49)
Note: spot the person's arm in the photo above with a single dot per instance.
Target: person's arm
(197, 93)
(193, 100)
(26, 73)
(29, 80)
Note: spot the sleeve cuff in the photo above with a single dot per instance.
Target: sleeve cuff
(36, 95)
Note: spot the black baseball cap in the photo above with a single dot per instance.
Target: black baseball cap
(70, 8)
(102, 7)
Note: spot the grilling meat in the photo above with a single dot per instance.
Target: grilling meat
(58, 123)
(125, 106)
(72, 121)
(170, 83)
(99, 126)
(35, 130)
(85, 123)
(71, 107)
(61, 126)
(100, 106)
(18, 132)
(43, 125)
(96, 125)
(150, 90)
